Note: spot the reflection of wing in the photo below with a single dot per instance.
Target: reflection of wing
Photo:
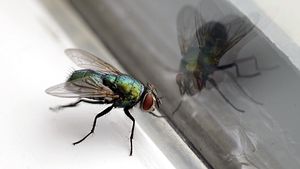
(87, 60)
(237, 28)
(83, 87)
(187, 22)
(196, 28)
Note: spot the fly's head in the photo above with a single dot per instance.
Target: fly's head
(200, 83)
(150, 99)
(180, 82)
(187, 83)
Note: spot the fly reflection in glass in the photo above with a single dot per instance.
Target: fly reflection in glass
(202, 45)
(101, 83)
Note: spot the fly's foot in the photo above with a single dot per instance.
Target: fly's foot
(55, 109)
(77, 142)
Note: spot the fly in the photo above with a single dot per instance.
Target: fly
(101, 83)
(202, 45)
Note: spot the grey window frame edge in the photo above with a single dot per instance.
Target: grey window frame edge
(110, 31)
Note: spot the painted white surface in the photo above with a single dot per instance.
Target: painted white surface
(32, 136)
(285, 14)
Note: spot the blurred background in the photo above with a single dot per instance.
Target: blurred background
(141, 38)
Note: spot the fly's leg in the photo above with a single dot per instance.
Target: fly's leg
(257, 68)
(177, 107)
(242, 89)
(94, 124)
(74, 104)
(155, 115)
(213, 82)
(246, 59)
(237, 70)
(132, 129)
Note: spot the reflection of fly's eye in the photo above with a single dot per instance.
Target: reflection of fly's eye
(179, 77)
(148, 102)
(180, 82)
(200, 83)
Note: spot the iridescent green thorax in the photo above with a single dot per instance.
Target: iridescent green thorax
(189, 62)
(127, 87)
(205, 57)
(197, 61)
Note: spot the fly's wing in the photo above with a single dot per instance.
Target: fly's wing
(87, 60)
(237, 26)
(236, 29)
(188, 20)
(82, 88)
(193, 29)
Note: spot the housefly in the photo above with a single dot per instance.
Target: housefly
(101, 83)
(203, 43)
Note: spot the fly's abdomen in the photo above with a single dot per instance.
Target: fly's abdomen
(129, 88)
(79, 74)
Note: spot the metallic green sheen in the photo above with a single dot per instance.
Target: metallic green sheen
(196, 60)
(189, 62)
(125, 85)
(129, 89)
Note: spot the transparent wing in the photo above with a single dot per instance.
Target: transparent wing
(237, 28)
(194, 26)
(84, 87)
(188, 20)
(87, 60)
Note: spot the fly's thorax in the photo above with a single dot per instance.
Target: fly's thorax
(207, 64)
(127, 87)
(189, 62)
(109, 80)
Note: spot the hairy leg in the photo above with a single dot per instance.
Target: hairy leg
(215, 85)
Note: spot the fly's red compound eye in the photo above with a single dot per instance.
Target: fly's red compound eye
(200, 84)
(148, 102)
